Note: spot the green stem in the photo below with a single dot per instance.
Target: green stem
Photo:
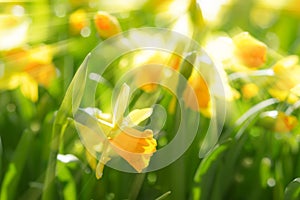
(49, 187)
(136, 186)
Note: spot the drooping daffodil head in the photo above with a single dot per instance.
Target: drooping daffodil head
(122, 136)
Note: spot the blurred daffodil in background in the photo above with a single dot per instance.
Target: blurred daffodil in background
(201, 90)
(287, 74)
(26, 68)
(106, 24)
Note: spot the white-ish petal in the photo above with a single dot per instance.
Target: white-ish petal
(67, 158)
(136, 133)
(137, 116)
(121, 104)
(103, 118)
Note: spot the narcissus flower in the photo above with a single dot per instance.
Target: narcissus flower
(123, 139)
(285, 123)
(287, 79)
(201, 90)
(241, 53)
(106, 24)
(250, 51)
(278, 121)
(27, 68)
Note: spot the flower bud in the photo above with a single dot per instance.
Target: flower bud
(106, 24)
(249, 90)
(78, 20)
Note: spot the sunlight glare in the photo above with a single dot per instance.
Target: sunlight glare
(13, 31)
(211, 9)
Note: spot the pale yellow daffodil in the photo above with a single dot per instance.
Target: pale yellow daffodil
(279, 121)
(133, 145)
(250, 51)
(240, 53)
(26, 69)
(287, 79)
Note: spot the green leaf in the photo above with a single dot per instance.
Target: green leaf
(73, 95)
(292, 191)
(13, 174)
(163, 196)
(206, 172)
(252, 112)
(1, 154)
(70, 103)
(69, 184)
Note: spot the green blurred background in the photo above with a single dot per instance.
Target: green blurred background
(42, 44)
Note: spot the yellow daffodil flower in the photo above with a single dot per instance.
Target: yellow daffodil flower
(250, 51)
(278, 121)
(287, 79)
(242, 52)
(26, 69)
(285, 123)
(133, 145)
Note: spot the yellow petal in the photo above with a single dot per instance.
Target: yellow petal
(199, 87)
(137, 116)
(121, 104)
(92, 140)
(283, 95)
(91, 160)
(100, 166)
(296, 90)
(284, 64)
(28, 86)
(42, 73)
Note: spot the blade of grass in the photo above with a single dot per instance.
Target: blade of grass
(1, 154)
(206, 173)
(165, 195)
(12, 176)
